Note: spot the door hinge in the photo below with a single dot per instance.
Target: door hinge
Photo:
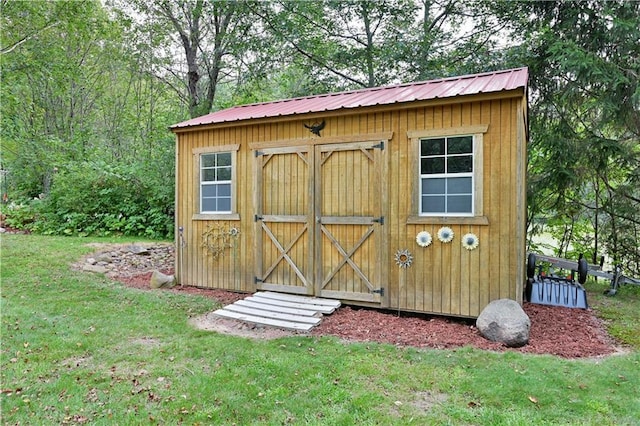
(257, 218)
(257, 280)
(259, 153)
(379, 146)
(379, 291)
(379, 220)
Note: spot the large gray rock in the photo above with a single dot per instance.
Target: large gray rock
(505, 321)
(160, 280)
(103, 257)
(138, 249)
(98, 269)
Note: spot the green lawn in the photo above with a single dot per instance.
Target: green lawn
(78, 348)
(621, 312)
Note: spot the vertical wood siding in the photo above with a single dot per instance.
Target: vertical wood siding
(444, 278)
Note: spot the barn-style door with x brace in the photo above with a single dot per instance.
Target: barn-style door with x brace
(319, 220)
(284, 220)
(349, 214)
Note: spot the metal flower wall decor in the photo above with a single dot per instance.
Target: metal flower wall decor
(470, 241)
(423, 239)
(216, 239)
(403, 258)
(445, 234)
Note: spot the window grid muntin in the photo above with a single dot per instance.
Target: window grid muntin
(446, 196)
(216, 171)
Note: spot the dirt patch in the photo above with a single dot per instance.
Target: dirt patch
(211, 322)
(565, 332)
(425, 401)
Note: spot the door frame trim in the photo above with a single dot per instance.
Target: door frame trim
(313, 146)
(307, 143)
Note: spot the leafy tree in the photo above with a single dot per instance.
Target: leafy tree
(585, 116)
(454, 38)
(341, 43)
(346, 44)
(73, 91)
(211, 35)
(51, 80)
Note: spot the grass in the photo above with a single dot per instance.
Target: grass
(621, 312)
(80, 349)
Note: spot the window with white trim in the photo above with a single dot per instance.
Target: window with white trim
(216, 171)
(447, 176)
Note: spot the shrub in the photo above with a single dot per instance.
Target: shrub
(21, 214)
(95, 198)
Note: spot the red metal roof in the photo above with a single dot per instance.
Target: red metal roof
(490, 82)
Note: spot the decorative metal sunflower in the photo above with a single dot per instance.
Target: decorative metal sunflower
(403, 258)
(445, 234)
(423, 239)
(470, 241)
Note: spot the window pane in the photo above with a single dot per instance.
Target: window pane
(224, 173)
(208, 160)
(209, 190)
(451, 159)
(432, 165)
(432, 204)
(433, 186)
(224, 159)
(432, 147)
(460, 145)
(224, 190)
(459, 204)
(224, 204)
(424, 166)
(208, 204)
(460, 164)
(215, 191)
(459, 185)
(209, 175)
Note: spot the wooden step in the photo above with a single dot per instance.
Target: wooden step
(264, 321)
(275, 302)
(275, 308)
(298, 299)
(273, 315)
(286, 311)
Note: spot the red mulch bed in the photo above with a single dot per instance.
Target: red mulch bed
(565, 332)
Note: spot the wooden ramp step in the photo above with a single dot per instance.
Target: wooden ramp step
(286, 311)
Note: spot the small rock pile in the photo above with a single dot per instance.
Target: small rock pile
(130, 260)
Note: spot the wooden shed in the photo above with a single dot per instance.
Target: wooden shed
(410, 197)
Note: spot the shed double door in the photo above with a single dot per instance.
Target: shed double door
(319, 220)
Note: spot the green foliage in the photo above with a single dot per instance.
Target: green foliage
(572, 236)
(585, 120)
(21, 215)
(95, 198)
(84, 124)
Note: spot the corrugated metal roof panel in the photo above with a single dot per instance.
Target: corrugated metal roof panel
(491, 82)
